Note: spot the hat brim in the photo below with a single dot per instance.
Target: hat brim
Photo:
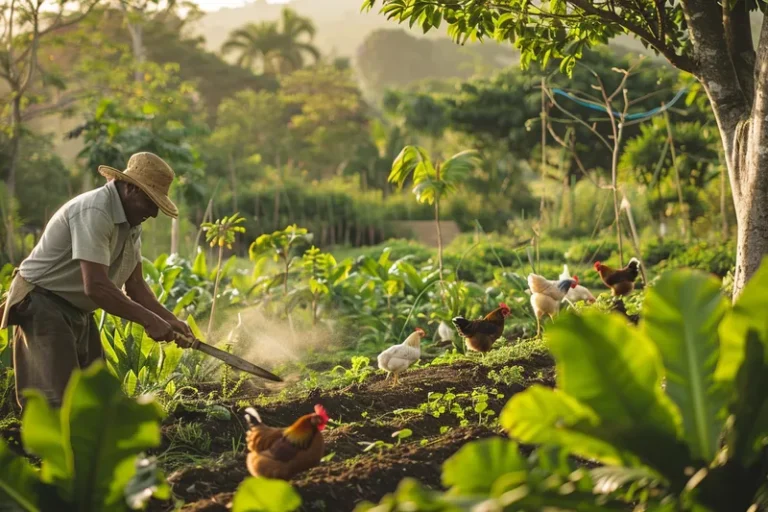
(163, 202)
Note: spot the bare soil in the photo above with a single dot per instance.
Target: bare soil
(363, 413)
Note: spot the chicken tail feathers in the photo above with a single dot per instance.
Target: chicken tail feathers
(461, 324)
(252, 417)
(634, 263)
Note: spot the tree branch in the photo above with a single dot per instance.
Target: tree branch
(682, 62)
(738, 36)
(574, 117)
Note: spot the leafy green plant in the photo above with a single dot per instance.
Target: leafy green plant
(89, 450)
(432, 180)
(675, 410)
(259, 494)
(324, 279)
(221, 233)
(278, 245)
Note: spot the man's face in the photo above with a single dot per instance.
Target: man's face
(138, 206)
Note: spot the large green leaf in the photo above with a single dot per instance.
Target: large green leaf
(749, 432)
(19, 483)
(748, 313)
(412, 159)
(545, 416)
(454, 170)
(681, 315)
(102, 429)
(258, 494)
(613, 369)
(477, 465)
(44, 435)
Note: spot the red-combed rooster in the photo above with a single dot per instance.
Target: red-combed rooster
(284, 452)
(481, 334)
(622, 281)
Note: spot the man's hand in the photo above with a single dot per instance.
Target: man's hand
(183, 329)
(159, 330)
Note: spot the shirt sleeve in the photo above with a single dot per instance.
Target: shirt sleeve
(91, 230)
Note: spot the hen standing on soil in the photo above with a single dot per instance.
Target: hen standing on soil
(284, 452)
(622, 281)
(397, 358)
(481, 334)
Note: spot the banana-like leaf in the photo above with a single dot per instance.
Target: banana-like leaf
(100, 433)
(681, 315)
(608, 479)
(749, 433)
(748, 313)
(613, 369)
(476, 466)
(20, 485)
(544, 416)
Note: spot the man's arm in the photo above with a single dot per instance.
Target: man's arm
(139, 291)
(111, 299)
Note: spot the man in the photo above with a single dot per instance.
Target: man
(90, 249)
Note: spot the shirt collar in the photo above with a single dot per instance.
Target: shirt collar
(118, 212)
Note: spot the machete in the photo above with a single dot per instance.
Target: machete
(230, 359)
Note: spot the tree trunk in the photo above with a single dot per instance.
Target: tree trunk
(233, 177)
(439, 239)
(10, 181)
(740, 105)
(137, 42)
(723, 207)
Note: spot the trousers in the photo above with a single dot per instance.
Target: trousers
(51, 339)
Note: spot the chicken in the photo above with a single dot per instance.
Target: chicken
(284, 452)
(397, 358)
(444, 332)
(547, 295)
(578, 293)
(482, 333)
(622, 281)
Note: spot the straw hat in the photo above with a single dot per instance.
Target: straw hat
(151, 174)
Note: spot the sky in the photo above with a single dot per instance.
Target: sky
(215, 5)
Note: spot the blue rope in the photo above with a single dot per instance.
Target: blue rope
(638, 115)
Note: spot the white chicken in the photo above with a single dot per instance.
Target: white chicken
(546, 296)
(397, 358)
(578, 293)
(444, 332)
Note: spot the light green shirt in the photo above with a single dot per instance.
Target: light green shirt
(90, 227)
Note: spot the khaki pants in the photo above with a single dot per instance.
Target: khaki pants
(51, 339)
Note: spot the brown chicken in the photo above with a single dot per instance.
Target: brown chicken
(481, 334)
(622, 281)
(284, 452)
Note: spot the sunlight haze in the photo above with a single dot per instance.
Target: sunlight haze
(215, 5)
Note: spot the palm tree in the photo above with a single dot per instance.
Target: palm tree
(280, 47)
(432, 181)
(294, 28)
(257, 43)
